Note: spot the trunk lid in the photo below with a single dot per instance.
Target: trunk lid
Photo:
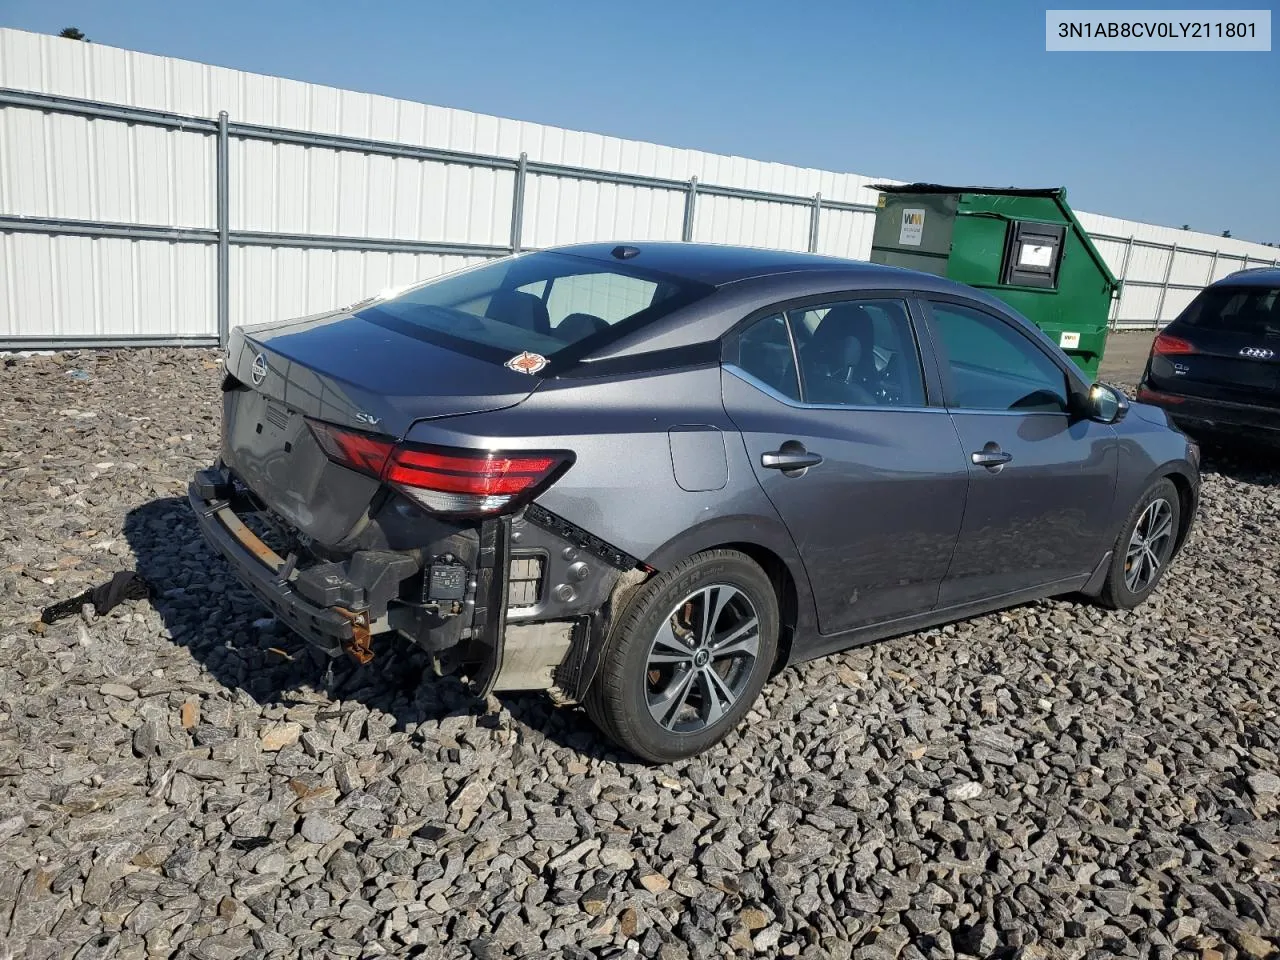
(341, 368)
(344, 370)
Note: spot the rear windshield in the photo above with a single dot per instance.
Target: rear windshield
(552, 304)
(1252, 310)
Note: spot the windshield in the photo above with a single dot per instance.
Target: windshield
(544, 303)
(1251, 310)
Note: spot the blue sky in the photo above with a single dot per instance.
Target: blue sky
(955, 92)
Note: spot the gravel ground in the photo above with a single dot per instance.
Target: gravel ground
(183, 779)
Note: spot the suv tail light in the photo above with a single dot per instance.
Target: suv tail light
(443, 479)
(1171, 346)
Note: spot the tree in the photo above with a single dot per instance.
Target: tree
(73, 33)
(1186, 226)
(1226, 233)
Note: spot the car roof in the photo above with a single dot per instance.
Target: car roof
(719, 264)
(1252, 277)
(749, 278)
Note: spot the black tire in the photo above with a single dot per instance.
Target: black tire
(1118, 592)
(618, 700)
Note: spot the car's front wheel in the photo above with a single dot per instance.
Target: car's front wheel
(1144, 548)
(688, 657)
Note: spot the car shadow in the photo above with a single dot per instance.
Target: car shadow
(1241, 461)
(244, 648)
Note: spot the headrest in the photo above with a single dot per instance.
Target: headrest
(843, 353)
(843, 322)
(520, 310)
(579, 326)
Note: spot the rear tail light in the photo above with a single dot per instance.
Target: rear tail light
(1171, 346)
(362, 452)
(471, 481)
(442, 479)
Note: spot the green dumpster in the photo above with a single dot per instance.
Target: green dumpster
(1024, 246)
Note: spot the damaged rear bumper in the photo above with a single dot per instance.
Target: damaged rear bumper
(480, 614)
(268, 576)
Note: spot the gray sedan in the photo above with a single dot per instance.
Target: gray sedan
(642, 477)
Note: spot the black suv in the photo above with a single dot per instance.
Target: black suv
(1216, 369)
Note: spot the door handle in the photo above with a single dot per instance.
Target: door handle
(991, 456)
(789, 460)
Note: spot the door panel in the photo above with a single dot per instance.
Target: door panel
(1041, 480)
(876, 521)
(829, 395)
(1041, 516)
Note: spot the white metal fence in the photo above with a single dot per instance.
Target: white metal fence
(133, 211)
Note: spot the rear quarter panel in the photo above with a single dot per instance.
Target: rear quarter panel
(624, 486)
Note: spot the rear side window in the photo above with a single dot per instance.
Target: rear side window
(545, 303)
(990, 366)
(1250, 310)
(764, 351)
(852, 353)
(858, 353)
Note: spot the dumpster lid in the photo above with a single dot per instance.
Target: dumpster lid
(1057, 194)
(942, 188)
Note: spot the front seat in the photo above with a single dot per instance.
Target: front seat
(519, 309)
(579, 326)
(839, 362)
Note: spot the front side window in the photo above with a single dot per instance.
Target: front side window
(541, 302)
(991, 366)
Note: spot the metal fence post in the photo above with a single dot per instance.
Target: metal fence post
(1164, 285)
(1213, 268)
(813, 222)
(517, 203)
(690, 202)
(1124, 275)
(223, 205)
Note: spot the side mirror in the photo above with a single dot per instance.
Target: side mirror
(1106, 404)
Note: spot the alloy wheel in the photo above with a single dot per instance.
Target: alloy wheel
(1147, 546)
(702, 658)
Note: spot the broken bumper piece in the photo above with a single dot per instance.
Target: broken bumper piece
(455, 608)
(273, 580)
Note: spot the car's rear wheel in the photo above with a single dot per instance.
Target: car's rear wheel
(687, 658)
(1144, 548)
